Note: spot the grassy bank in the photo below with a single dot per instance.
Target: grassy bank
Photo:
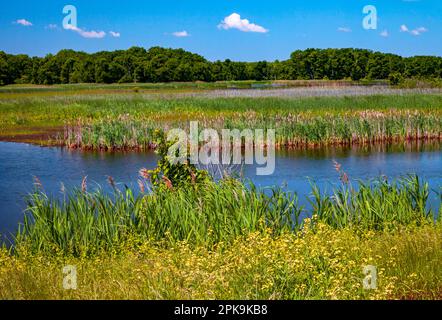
(320, 263)
(176, 86)
(227, 241)
(184, 236)
(85, 223)
(292, 130)
(126, 121)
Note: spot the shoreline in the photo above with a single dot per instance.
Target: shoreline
(42, 140)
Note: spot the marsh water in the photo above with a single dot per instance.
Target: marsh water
(20, 163)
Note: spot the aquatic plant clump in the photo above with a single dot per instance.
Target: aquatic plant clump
(127, 121)
(292, 130)
(85, 223)
(228, 242)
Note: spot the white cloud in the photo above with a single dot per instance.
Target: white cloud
(23, 22)
(344, 29)
(404, 28)
(234, 21)
(51, 26)
(414, 32)
(181, 34)
(384, 34)
(114, 34)
(87, 34)
(422, 29)
(93, 34)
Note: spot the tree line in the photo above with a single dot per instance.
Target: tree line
(166, 65)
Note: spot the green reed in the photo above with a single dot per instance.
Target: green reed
(91, 120)
(291, 130)
(89, 222)
(379, 205)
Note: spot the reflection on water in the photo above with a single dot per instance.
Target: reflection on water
(361, 150)
(20, 162)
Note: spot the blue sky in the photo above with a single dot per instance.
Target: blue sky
(216, 29)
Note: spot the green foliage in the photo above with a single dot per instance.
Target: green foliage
(395, 78)
(169, 175)
(167, 65)
(127, 121)
(86, 223)
(319, 263)
(380, 205)
(293, 127)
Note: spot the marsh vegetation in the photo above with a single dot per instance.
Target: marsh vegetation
(183, 235)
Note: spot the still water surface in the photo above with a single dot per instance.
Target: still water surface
(19, 163)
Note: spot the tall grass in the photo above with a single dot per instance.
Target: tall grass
(291, 130)
(375, 206)
(319, 263)
(87, 223)
(120, 133)
(124, 121)
(90, 222)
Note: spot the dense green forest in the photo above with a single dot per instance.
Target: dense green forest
(166, 65)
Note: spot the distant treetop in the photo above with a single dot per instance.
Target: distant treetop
(166, 65)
